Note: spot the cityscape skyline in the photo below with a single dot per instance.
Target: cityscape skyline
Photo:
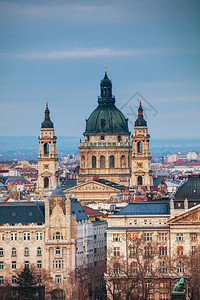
(58, 51)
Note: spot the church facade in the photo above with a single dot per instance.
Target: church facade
(108, 151)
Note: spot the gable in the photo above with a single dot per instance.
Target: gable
(91, 186)
(190, 217)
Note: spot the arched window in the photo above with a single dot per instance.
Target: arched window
(39, 251)
(26, 251)
(139, 180)
(112, 161)
(83, 161)
(46, 148)
(116, 268)
(1, 251)
(133, 267)
(46, 182)
(14, 252)
(123, 161)
(94, 161)
(57, 250)
(102, 162)
(139, 147)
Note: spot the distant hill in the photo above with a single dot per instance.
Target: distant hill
(26, 147)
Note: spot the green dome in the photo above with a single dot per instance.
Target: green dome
(190, 189)
(106, 118)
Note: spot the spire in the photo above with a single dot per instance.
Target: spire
(106, 90)
(47, 121)
(105, 68)
(140, 120)
(47, 112)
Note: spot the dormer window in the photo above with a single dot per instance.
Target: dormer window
(102, 137)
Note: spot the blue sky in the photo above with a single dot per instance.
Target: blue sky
(57, 50)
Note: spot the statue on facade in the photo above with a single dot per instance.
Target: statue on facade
(179, 285)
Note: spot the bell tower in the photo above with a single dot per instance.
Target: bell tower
(47, 157)
(141, 174)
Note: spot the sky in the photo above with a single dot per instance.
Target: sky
(57, 50)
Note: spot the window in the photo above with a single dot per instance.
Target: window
(164, 296)
(26, 251)
(135, 222)
(102, 162)
(139, 147)
(148, 284)
(26, 264)
(133, 251)
(148, 236)
(94, 161)
(145, 222)
(116, 251)
(162, 237)
(1, 280)
(193, 249)
(1, 236)
(14, 252)
(13, 236)
(179, 236)
(112, 161)
(38, 236)
(1, 251)
(14, 279)
(39, 251)
(163, 284)
(139, 180)
(57, 250)
(193, 236)
(180, 267)
(46, 182)
(14, 265)
(102, 137)
(163, 267)
(27, 236)
(103, 121)
(133, 236)
(179, 250)
(58, 279)
(123, 161)
(116, 268)
(134, 267)
(1, 265)
(119, 138)
(149, 268)
(148, 251)
(116, 237)
(150, 297)
(46, 148)
(39, 264)
(163, 251)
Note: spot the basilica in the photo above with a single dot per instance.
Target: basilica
(111, 157)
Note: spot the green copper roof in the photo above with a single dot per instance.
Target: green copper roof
(106, 118)
(140, 120)
(190, 189)
(47, 121)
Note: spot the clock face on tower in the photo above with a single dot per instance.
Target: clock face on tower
(139, 165)
(46, 166)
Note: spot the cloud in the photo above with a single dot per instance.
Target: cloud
(88, 52)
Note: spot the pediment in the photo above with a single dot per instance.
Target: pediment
(91, 186)
(192, 216)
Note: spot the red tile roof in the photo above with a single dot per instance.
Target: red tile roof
(92, 212)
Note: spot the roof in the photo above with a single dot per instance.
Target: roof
(78, 210)
(190, 189)
(146, 208)
(157, 181)
(110, 183)
(22, 212)
(106, 118)
(57, 192)
(92, 212)
(67, 183)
